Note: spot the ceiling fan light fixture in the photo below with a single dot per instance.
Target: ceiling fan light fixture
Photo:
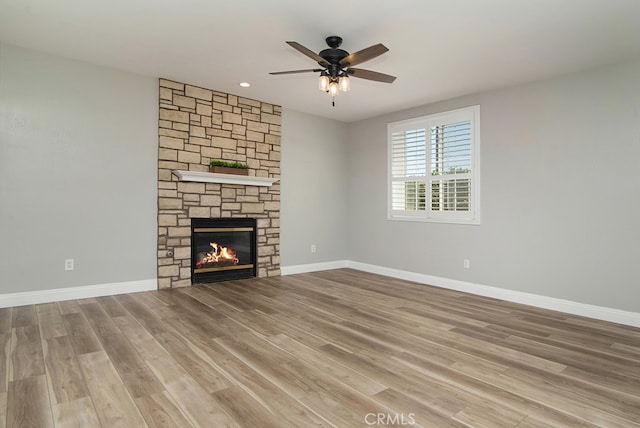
(344, 83)
(323, 83)
(333, 88)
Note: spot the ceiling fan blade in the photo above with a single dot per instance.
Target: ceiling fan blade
(275, 73)
(371, 75)
(364, 55)
(308, 52)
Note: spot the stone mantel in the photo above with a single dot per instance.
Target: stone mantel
(210, 177)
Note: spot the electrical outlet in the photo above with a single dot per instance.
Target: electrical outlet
(465, 263)
(313, 248)
(68, 264)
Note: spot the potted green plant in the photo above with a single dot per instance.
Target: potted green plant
(225, 167)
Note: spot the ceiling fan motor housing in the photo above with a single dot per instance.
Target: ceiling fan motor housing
(333, 55)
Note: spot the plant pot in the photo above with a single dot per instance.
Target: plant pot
(227, 170)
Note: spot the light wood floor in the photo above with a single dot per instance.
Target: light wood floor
(337, 348)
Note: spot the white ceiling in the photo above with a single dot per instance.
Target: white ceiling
(438, 48)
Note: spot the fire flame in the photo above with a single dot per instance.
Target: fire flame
(219, 254)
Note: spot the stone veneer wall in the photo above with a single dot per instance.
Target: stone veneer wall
(195, 126)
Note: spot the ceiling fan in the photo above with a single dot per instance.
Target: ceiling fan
(337, 65)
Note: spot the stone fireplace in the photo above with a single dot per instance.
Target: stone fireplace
(197, 125)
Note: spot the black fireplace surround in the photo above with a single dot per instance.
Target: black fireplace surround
(223, 249)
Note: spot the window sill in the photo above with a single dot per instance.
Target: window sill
(474, 221)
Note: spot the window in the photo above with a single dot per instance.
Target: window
(434, 169)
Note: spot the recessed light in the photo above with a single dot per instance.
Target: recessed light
(245, 84)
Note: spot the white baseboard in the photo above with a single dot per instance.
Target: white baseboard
(566, 306)
(314, 267)
(72, 293)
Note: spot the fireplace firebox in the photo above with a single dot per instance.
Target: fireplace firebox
(222, 249)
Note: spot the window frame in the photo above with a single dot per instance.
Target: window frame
(472, 216)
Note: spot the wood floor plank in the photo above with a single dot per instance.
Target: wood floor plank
(24, 316)
(236, 403)
(26, 353)
(50, 320)
(144, 343)
(69, 307)
(295, 326)
(628, 350)
(356, 380)
(531, 422)
(270, 369)
(442, 398)
(80, 333)
(618, 332)
(132, 368)
(151, 299)
(160, 410)
(28, 403)
(488, 416)
(292, 412)
(344, 409)
(251, 321)
(576, 357)
(193, 400)
(465, 376)
(251, 301)
(6, 316)
(500, 353)
(199, 366)
(214, 322)
(113, 403)
(618, 381)
(63, 370)
(255, 351)
(78, 413)
(144, 314)
(162, 338)
(111, 306)
(202, 319)
(5, 360)
(414, 410)
(3, 409)
(538, 389)
(324, 348)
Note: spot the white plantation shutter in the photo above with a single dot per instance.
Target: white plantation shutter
(451, 148)
(450, 176)
(408, 169)
(434, 172)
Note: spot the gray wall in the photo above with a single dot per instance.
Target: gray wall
(560, 193)
(78, 154)
(314, 189)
